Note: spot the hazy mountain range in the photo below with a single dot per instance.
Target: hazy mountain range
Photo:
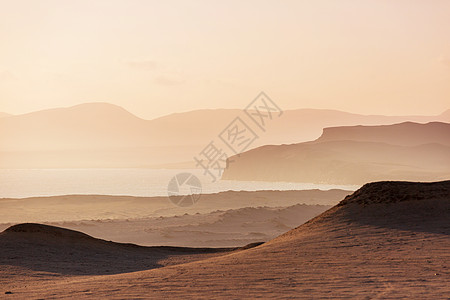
(105, 135)
(352, 155)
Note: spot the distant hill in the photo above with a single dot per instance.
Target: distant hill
(106, 135)
(445, 116)
(419, 152)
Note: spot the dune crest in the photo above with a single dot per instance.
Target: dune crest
(34, 228)
(50, 249)
(398, 191)
(395, 247)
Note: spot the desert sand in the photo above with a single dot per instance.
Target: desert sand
(316, 135)
(386, 240)
(153, 221)
(230, 228)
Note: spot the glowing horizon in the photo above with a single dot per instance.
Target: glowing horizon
(368, 57)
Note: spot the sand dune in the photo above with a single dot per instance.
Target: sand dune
(387, 240)
(247, 216)
(222, 228)
(105, 135)
(408, 151)
(54, 250)
(69, 208)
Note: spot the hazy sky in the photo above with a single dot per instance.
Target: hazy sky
(158, 57)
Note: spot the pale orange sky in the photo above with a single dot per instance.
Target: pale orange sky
(159, 57)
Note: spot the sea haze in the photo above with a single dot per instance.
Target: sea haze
(21, 183)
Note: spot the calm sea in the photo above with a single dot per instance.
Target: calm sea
(19, 183)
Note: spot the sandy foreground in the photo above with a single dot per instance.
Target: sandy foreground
(387, 240)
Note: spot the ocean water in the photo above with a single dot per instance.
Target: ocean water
(21, 183)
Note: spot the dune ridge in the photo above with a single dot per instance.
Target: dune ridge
(55, 250)
(220, 228)
(395, 191)
(41, 229)
(394, 248)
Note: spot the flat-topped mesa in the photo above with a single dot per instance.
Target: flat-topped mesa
(402, 134)
(398, 191)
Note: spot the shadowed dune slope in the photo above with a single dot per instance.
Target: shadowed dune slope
(53, 249)
(387, 240)
(398, 205)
